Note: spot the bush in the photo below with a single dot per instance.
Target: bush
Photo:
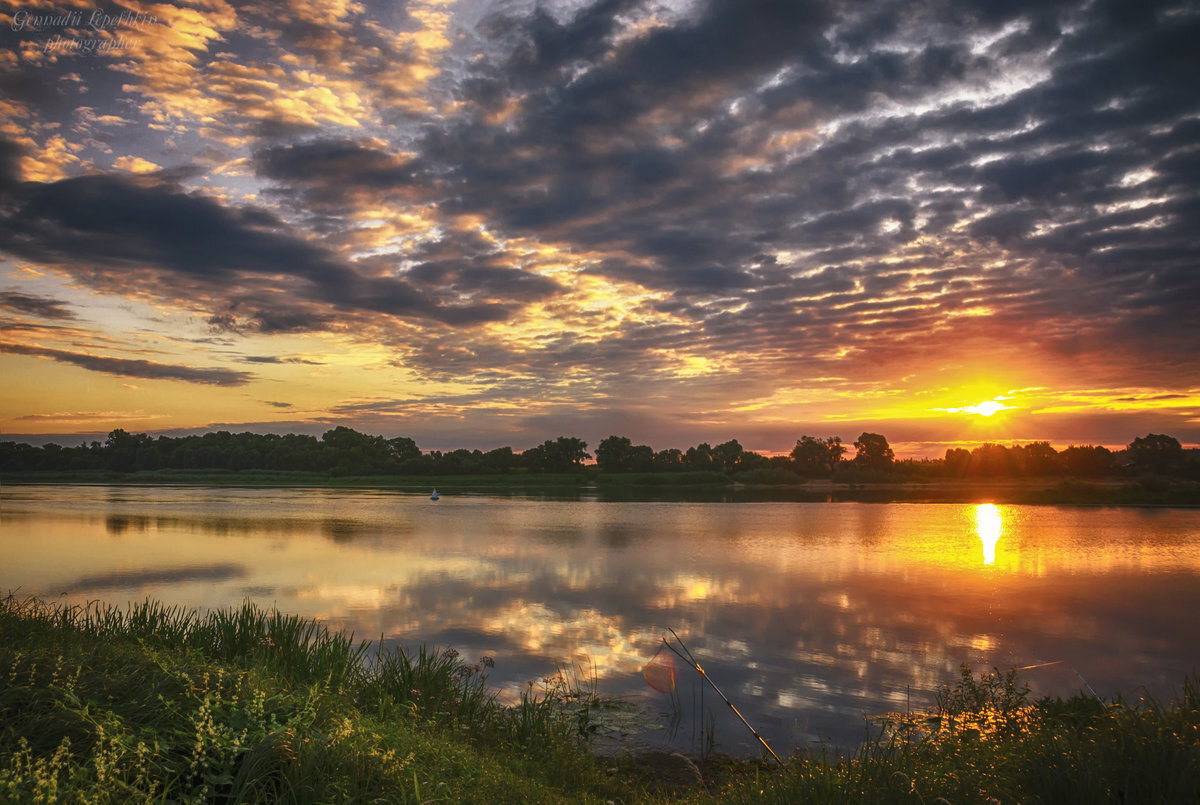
(772, 476)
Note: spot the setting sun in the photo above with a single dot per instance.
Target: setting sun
(986, 408)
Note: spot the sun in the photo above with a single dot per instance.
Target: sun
(986, 408)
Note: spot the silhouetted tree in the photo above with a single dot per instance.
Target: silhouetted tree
(500, 460)
(669, 459)
(1155, 452)
(727, 454)
(749, 460)
(815, 457)
(560, 455)
(403, 448)
(700, 457)
(619, 454)
(991, 461)
(874, 452)
(957, 462)
(358, 453)
(1091, 461)
(1040, 459)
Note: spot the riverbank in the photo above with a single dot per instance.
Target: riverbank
(153, 704)
(683, 486)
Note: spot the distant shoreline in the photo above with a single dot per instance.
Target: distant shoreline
(686, 487)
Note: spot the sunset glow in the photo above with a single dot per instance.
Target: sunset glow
(988, 526)
(986, 408)
(481, 223)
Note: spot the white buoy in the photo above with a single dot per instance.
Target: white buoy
(434, 496)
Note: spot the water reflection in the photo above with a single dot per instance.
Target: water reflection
(988, 525)
(808, 615)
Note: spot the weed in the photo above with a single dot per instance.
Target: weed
(156, 704)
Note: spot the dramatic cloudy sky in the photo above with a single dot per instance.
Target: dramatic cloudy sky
(492, 222)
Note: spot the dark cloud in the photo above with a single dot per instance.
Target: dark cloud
(334, 175)
(328, 163)
(10, 166)
(35, 305)
(128, 367)
(280, 359)
(104, 228)
(802, 189)
(1038, 183)
(134, 579)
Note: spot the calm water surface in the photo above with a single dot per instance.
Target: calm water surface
(808, 615)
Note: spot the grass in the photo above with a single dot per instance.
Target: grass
(157, 704)
(518, 481)
(756, 485)
(154, 703)
(987, 742)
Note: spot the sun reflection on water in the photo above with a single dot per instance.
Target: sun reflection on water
(808, 614)
(989, 526)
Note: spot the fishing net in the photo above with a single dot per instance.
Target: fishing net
(659, 673)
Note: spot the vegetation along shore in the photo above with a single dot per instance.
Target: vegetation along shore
(1154, 469)
(155, 704)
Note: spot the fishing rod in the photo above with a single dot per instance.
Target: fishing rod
(690, 660)
(1072, 667)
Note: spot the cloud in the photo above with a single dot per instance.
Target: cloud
(35, 305)
(687, 201)
(127, 367)
(84, 416)
(280, 360)
(134, 579)
(116, 231)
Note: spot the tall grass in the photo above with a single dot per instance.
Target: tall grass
(987, 741)
(156, 703)
(160, 704)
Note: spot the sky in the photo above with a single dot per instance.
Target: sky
(495, 222)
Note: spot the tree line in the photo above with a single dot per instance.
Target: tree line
(343, 451)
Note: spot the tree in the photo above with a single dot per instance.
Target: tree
(991, 461)
(571, 452)
(874, 452)
(835, 449)
(727, 454)
(958, 461)
(810, 456)
(561, 455)
(1042, 459)
(700, 457)
(815, 457)
(612, 453)
(669, 459)
(127, 452)
(356, 452)
(749, 460)
(1156, 452)
(499, 460)
(403, 448)
(1089, 461)
(619, 454)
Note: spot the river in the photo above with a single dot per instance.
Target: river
(809, 616)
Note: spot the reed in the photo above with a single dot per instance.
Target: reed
(988, 741)
(157, 704)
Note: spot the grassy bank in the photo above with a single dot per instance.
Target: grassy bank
(517, 481)
(156, 704)
(682, 486)
(153, 703)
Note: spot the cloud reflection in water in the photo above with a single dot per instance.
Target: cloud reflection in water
(808, 615)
